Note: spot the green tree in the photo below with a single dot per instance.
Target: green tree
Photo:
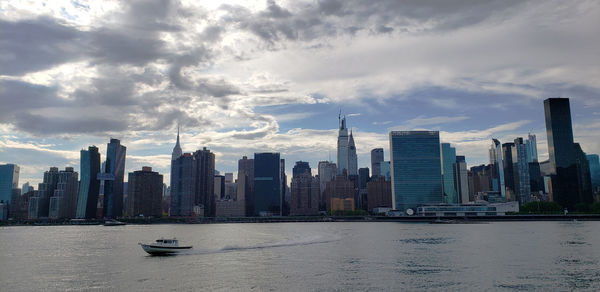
(541, 208)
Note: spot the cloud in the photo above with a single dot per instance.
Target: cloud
(422, 121)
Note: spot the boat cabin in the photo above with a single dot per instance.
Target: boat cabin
(167, 241)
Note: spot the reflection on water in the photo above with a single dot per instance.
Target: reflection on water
(352, 256)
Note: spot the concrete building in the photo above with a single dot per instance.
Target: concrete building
(9, 180)
(144, 193)
(39, 204)
(301, 167)
(115, 175)
(448, 166)
(63, 204)
(379, 193)
(416, 169)
(89, 186)
(219, 188)
(327, 172)
(19, 206)
(304, 195)
(376, 160)
(342, 147)
(352, 157)
(26, 188)
(340, 188)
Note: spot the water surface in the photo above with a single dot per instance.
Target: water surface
(353, 256)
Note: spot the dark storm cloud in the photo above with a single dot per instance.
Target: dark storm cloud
(43, 125)
(334, 17)
(37, 44)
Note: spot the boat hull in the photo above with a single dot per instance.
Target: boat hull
(163, 250)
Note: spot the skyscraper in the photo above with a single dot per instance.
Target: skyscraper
(39, 204)
(89, 186)
(531, 145)
(267, 184)
(246, 183)
(376, 160)
(63, 204)
(594, 163)
(461, 179)
(352, 157)
(568, 185)
(342, 147)
(416, 169)
(9, 180)
(509, 170)
(497, 175)
(448, 165)
(204, 181)
(113, 188)
(183, 187)
(304, 191)
(177, 149)
(144, 193)
(327, 171)
(521, 172)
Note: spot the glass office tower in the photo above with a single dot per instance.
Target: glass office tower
(89, 185)
(267, 184)
(448, 164)
(113, 188)
(415, 169)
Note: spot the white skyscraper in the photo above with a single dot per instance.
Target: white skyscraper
(342, 147)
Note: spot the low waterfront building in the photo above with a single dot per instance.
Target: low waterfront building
(474, 209)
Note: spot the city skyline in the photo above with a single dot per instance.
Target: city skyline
(281, 91)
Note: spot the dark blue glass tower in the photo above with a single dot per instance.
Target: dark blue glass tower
(89, 185)
(113, 188)
(569, 184)
(267, 184)
(416, 169)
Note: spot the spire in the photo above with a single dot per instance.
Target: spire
(177, 149)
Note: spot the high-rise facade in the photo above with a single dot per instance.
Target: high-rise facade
(246, 183)
(521, 172)
(531, 146)
(183, 187)
(63, 204)
(509, 170)
(379, 193)
(594, 163)
(9, 180)
(177, 149)
(204, 181)
(304, 195)
(352, 157)
(376, 160)
(113, 187)
(144, 193)
(342, 147)
(89, 186)
(461, 179)
(267, 184)
(415, 169)
(39, 204)
(568, 181)
(497, 163)
(448, 165)
(327, 171)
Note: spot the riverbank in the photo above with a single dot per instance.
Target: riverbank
(284, 219)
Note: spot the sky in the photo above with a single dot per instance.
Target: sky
(241, 77)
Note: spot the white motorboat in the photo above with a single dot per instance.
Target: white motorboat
(164, 247)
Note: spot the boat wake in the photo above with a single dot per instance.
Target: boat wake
(287, 243)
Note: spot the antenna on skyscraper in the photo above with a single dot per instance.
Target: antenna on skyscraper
(340, 118)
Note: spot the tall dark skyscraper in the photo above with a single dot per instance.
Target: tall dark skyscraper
(509, 171)
(246, 176)
(416, 169)
(144, 193)
(89, 186)
(267, 184)
(183, 173)
(594, 162)
(204, 181)
(113, 188)
(568, 182)
(376, 160)
(39, 204)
